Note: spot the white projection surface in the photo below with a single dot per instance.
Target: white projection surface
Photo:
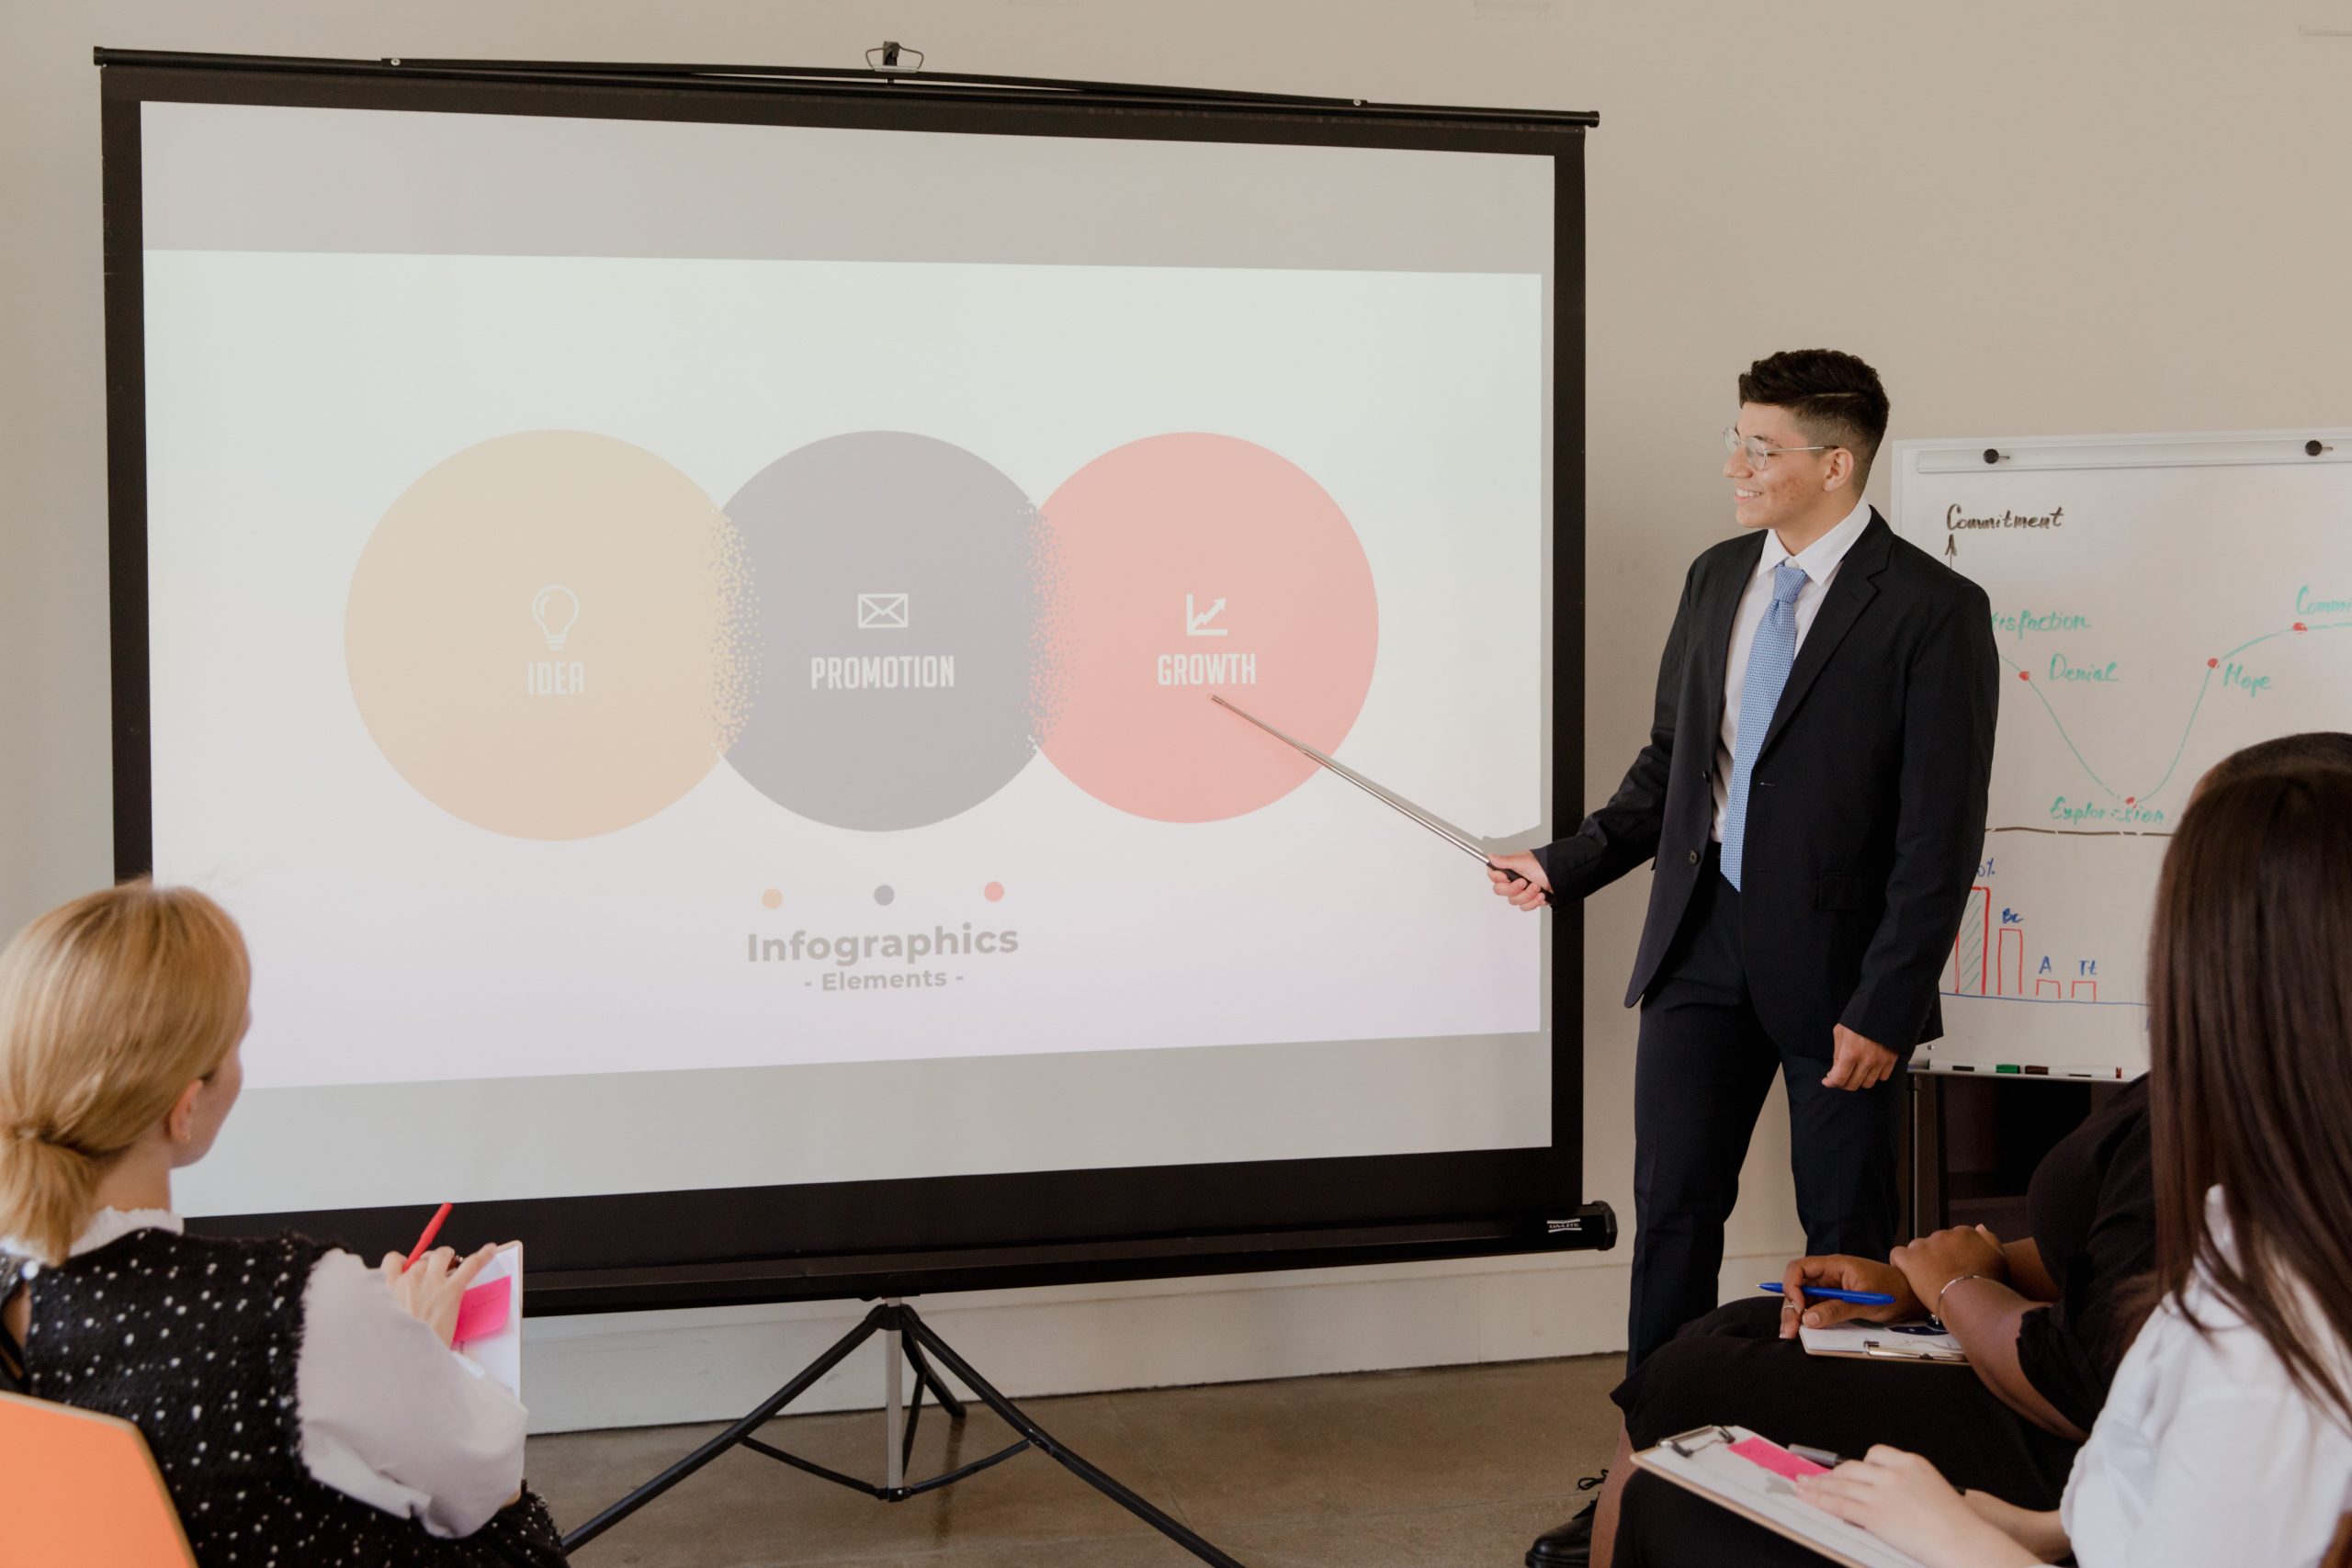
(686, 647)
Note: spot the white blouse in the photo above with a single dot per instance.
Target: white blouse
(390, 1415)
(2205, 1452)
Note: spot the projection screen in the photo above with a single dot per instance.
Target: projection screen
(679, 614)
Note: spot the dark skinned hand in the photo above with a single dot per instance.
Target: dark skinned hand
(1934, 1261)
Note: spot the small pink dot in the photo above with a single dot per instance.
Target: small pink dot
(2212, 664)
(993, 892)
(2130, 799)
(772, 898)
(2023, 675)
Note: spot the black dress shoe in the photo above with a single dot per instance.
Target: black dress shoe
(1570, 1546)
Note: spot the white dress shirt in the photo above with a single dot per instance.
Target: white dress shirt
(2205, 1452)
(1819, 563)
(390, 1415)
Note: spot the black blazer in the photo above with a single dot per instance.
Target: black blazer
(1867, 813)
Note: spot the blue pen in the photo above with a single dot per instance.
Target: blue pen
(1859, 1298)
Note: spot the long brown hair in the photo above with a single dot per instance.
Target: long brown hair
(2250, 970)
(109, 1007)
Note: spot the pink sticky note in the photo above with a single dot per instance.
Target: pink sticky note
(482, 1311)
(1770, 1455)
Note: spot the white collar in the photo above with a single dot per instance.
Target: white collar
(1820, 558)
(106, 1226)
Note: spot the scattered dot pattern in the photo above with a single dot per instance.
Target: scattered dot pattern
(194, 1340)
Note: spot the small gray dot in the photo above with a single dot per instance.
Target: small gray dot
(882, 894)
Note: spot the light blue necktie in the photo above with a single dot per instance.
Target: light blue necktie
(1769, 659)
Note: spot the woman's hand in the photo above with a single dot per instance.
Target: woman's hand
(1841, 1272)
(1934, 1261)
(1900, 1498)
(429, 1291)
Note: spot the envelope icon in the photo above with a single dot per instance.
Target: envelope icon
(881, 611)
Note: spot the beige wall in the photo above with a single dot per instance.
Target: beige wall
(2033, 217)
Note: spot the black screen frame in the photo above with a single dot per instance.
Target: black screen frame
(632, 1251)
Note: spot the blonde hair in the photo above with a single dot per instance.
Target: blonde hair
(111, 1006)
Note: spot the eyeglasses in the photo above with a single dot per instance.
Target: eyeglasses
(1756, 450)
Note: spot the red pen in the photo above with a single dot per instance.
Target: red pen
(431, 1229)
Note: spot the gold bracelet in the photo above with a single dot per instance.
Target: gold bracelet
(1956, 1279)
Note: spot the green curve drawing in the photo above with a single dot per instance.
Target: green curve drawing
(2187, 729)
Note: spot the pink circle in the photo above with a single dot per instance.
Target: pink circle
(1186, 565)
(772, 898)
(993, 892)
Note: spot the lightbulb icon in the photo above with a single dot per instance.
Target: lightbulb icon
(555, 608)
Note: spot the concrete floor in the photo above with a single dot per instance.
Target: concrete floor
(1453, 1468)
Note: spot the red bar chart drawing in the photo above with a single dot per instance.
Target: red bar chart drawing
(2008, 963)
(1973, 946)
(1988, 959)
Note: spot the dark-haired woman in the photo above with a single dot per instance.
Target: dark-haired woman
(2227, 1437)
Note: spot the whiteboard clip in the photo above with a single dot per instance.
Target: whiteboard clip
(1993, 455)
(2313, 448)
(888, 53)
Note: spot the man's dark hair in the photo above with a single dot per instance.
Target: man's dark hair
(2312, 747)
(1837, 398)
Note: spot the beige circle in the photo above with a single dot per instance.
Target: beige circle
(546, 635)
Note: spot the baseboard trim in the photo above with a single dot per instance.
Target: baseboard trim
(657, 1369)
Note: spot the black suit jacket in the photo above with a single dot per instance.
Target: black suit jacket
(1867, 811)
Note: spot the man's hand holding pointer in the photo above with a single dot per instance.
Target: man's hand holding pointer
(1525, 895)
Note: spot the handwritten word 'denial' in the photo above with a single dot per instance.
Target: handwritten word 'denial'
(2053, 518)
(2062, 669)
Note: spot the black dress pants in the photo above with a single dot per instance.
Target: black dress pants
(1703, 1065)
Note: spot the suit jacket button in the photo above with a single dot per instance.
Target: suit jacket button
(1694, 857)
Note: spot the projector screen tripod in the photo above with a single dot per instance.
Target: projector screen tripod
(905, 1335)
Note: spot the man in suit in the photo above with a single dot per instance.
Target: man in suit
(1813, 793)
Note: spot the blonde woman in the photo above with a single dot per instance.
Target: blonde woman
(302, 1407)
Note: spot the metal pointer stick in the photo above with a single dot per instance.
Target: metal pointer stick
(1396, 802)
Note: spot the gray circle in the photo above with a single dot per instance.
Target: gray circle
(897, 579)
(882, 894)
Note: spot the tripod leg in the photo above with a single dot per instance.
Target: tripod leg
(869, 1326)
(918, 1332)
(925, 1374)
(914, 1419)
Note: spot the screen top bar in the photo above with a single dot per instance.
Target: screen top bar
(873, 81)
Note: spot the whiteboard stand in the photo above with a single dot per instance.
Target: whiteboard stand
(2158, 601)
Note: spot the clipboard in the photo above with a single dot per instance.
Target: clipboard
(1921, 1343)
(1736, 1469)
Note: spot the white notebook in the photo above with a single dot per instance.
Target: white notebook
(1886, 1341)
(1750, 1475)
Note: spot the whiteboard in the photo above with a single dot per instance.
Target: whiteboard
(2158, 602)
